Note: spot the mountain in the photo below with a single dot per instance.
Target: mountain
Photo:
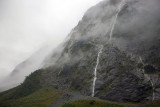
(22, 70)
(112, 54)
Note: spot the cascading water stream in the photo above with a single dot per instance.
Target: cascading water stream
(153, 94)
(60, 71)
(142, 63)
(152, 84)
(95, 71)
(115, 19)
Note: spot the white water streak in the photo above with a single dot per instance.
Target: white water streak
(60, 71)
(153, 94)
(115, 19)
(149, 78)
(95, 71)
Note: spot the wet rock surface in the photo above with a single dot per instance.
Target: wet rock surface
(129, 65)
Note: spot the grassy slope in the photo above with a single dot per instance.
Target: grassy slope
(41, 98)
(29, 86)
(90, 103)
(154, 104)
(30, 93)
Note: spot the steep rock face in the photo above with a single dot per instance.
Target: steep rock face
(128, 69)
(117, 76)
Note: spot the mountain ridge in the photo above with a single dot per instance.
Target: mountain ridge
(126, 69)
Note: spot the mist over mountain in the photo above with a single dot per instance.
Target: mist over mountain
(22, 70)
(112, 54)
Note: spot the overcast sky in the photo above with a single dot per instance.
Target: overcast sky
(26, 25)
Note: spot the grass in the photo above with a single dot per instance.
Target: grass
(44, 97)
(29, 86)
(30, 93)
(90, 103)
(154, 104)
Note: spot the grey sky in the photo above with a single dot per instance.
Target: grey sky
(26, 25)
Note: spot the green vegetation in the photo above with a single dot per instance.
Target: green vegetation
(30, 85)
(44, 97)
(30, 93)
(154, 104)
(90, 103)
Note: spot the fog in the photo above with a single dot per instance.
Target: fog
(137, 26)
(28, 25)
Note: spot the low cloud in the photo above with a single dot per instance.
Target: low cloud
(28, 25)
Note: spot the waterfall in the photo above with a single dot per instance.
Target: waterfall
(142, 63)
(153, 94)
(149, 78)
(60, 70)
(95, 71)
(115, 19)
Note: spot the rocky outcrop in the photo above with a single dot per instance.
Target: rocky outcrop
(128, 69)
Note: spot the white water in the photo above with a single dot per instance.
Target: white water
(142, 63)
(115, 19)
(95, 71)
(153, 94)
(60, 71)
(149, 78)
